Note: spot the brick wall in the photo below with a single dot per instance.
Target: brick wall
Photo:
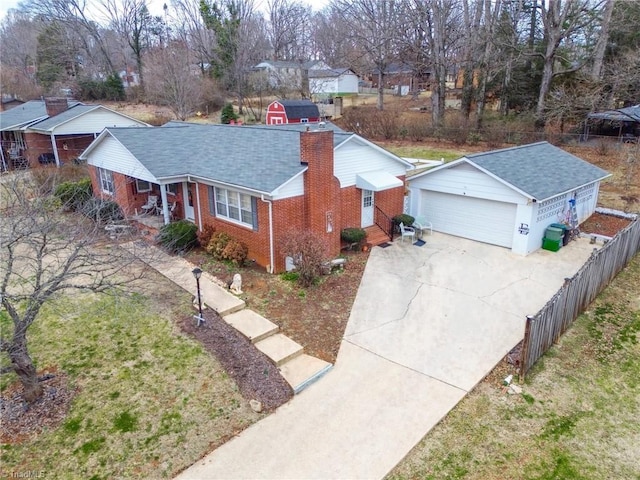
(322, 189)
(36, 144)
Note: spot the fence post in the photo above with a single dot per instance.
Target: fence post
(524, 353)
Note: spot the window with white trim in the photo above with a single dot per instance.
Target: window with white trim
(106, 181)
(235, 206)
(172, 188)
(143, 186)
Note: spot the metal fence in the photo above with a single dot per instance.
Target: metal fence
(543, 329)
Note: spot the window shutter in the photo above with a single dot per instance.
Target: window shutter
(254, 213)
(212, 200)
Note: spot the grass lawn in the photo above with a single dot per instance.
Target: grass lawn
(149, 401)
(424, 152)
(578, 415)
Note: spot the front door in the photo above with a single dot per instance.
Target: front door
(188, 200)
(367, 208)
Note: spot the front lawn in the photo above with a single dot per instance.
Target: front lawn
(148, 400)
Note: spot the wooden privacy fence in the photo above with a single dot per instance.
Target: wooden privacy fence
(544, 329)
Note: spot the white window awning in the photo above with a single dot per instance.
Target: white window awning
(377, 181)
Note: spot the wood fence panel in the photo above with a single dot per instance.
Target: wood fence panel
(577, 293)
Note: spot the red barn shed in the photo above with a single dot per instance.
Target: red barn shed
(292, 111)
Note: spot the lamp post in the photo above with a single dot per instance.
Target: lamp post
(197, 273)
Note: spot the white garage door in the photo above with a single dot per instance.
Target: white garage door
(478, 219)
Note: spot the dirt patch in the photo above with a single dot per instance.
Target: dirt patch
(606, 225)
(315, 317)
(20, 421)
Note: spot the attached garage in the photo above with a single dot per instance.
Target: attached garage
(476, 218)
(506, 197)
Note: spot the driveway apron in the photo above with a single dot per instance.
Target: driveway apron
(427, 325)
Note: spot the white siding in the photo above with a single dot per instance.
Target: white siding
(319, 86)
(465, 179)
(348, 83)
(95, 121)
(111, 155)
(478, 219)
(293, 188)
(353, 158)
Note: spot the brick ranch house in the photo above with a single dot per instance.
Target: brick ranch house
(53, 131)
(259, 184)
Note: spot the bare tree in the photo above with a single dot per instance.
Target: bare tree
(334, 45)
(75, 14)
(603, 40)
(131, 20)
(191, 29)
(19, 40)
(561, 19)
(44, 253)
(375, 26)
(173, 79)
(289, 29)
(438, 22)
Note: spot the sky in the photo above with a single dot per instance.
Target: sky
(155, 6)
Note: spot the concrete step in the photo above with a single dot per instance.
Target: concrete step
(279, 348)
(251, 324)
(303, 370)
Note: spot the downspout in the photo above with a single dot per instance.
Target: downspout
(55, 149)
(198, 202)
(271, 253)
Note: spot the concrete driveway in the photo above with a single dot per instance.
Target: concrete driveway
(427, 325)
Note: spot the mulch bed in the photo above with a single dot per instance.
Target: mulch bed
(257, 378)
(607, 225)
(20, 421)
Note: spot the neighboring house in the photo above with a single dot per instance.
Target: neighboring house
(53, 131)
(404, 78)
(292, 111)
(506, 197)
(333, 82)
(259, 184)
(289, 75)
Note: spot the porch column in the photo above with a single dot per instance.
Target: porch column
(55, 149)
(165, 204)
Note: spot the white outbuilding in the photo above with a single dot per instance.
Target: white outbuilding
(506, 197)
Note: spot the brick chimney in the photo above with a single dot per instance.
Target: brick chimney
(322, 189)
(55, 105)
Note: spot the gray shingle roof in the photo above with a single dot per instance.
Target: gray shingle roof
(300, 108)
(260, 159)
(72, 112)
(329, 73)
(22, 114)
(339, 135)
(540, 170)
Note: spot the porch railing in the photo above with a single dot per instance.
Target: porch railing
(383, 221)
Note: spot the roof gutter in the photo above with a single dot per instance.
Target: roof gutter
(271, 253)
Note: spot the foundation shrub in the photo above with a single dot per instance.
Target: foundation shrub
(73, 195)
(217, 244)
(178, 237)
(236, 252)
(309, 253)
(204, 236)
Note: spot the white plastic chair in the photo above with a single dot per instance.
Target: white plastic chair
(407, 232)
(151, 205)
(420, 224)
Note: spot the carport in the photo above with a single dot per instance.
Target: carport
(506, 197)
